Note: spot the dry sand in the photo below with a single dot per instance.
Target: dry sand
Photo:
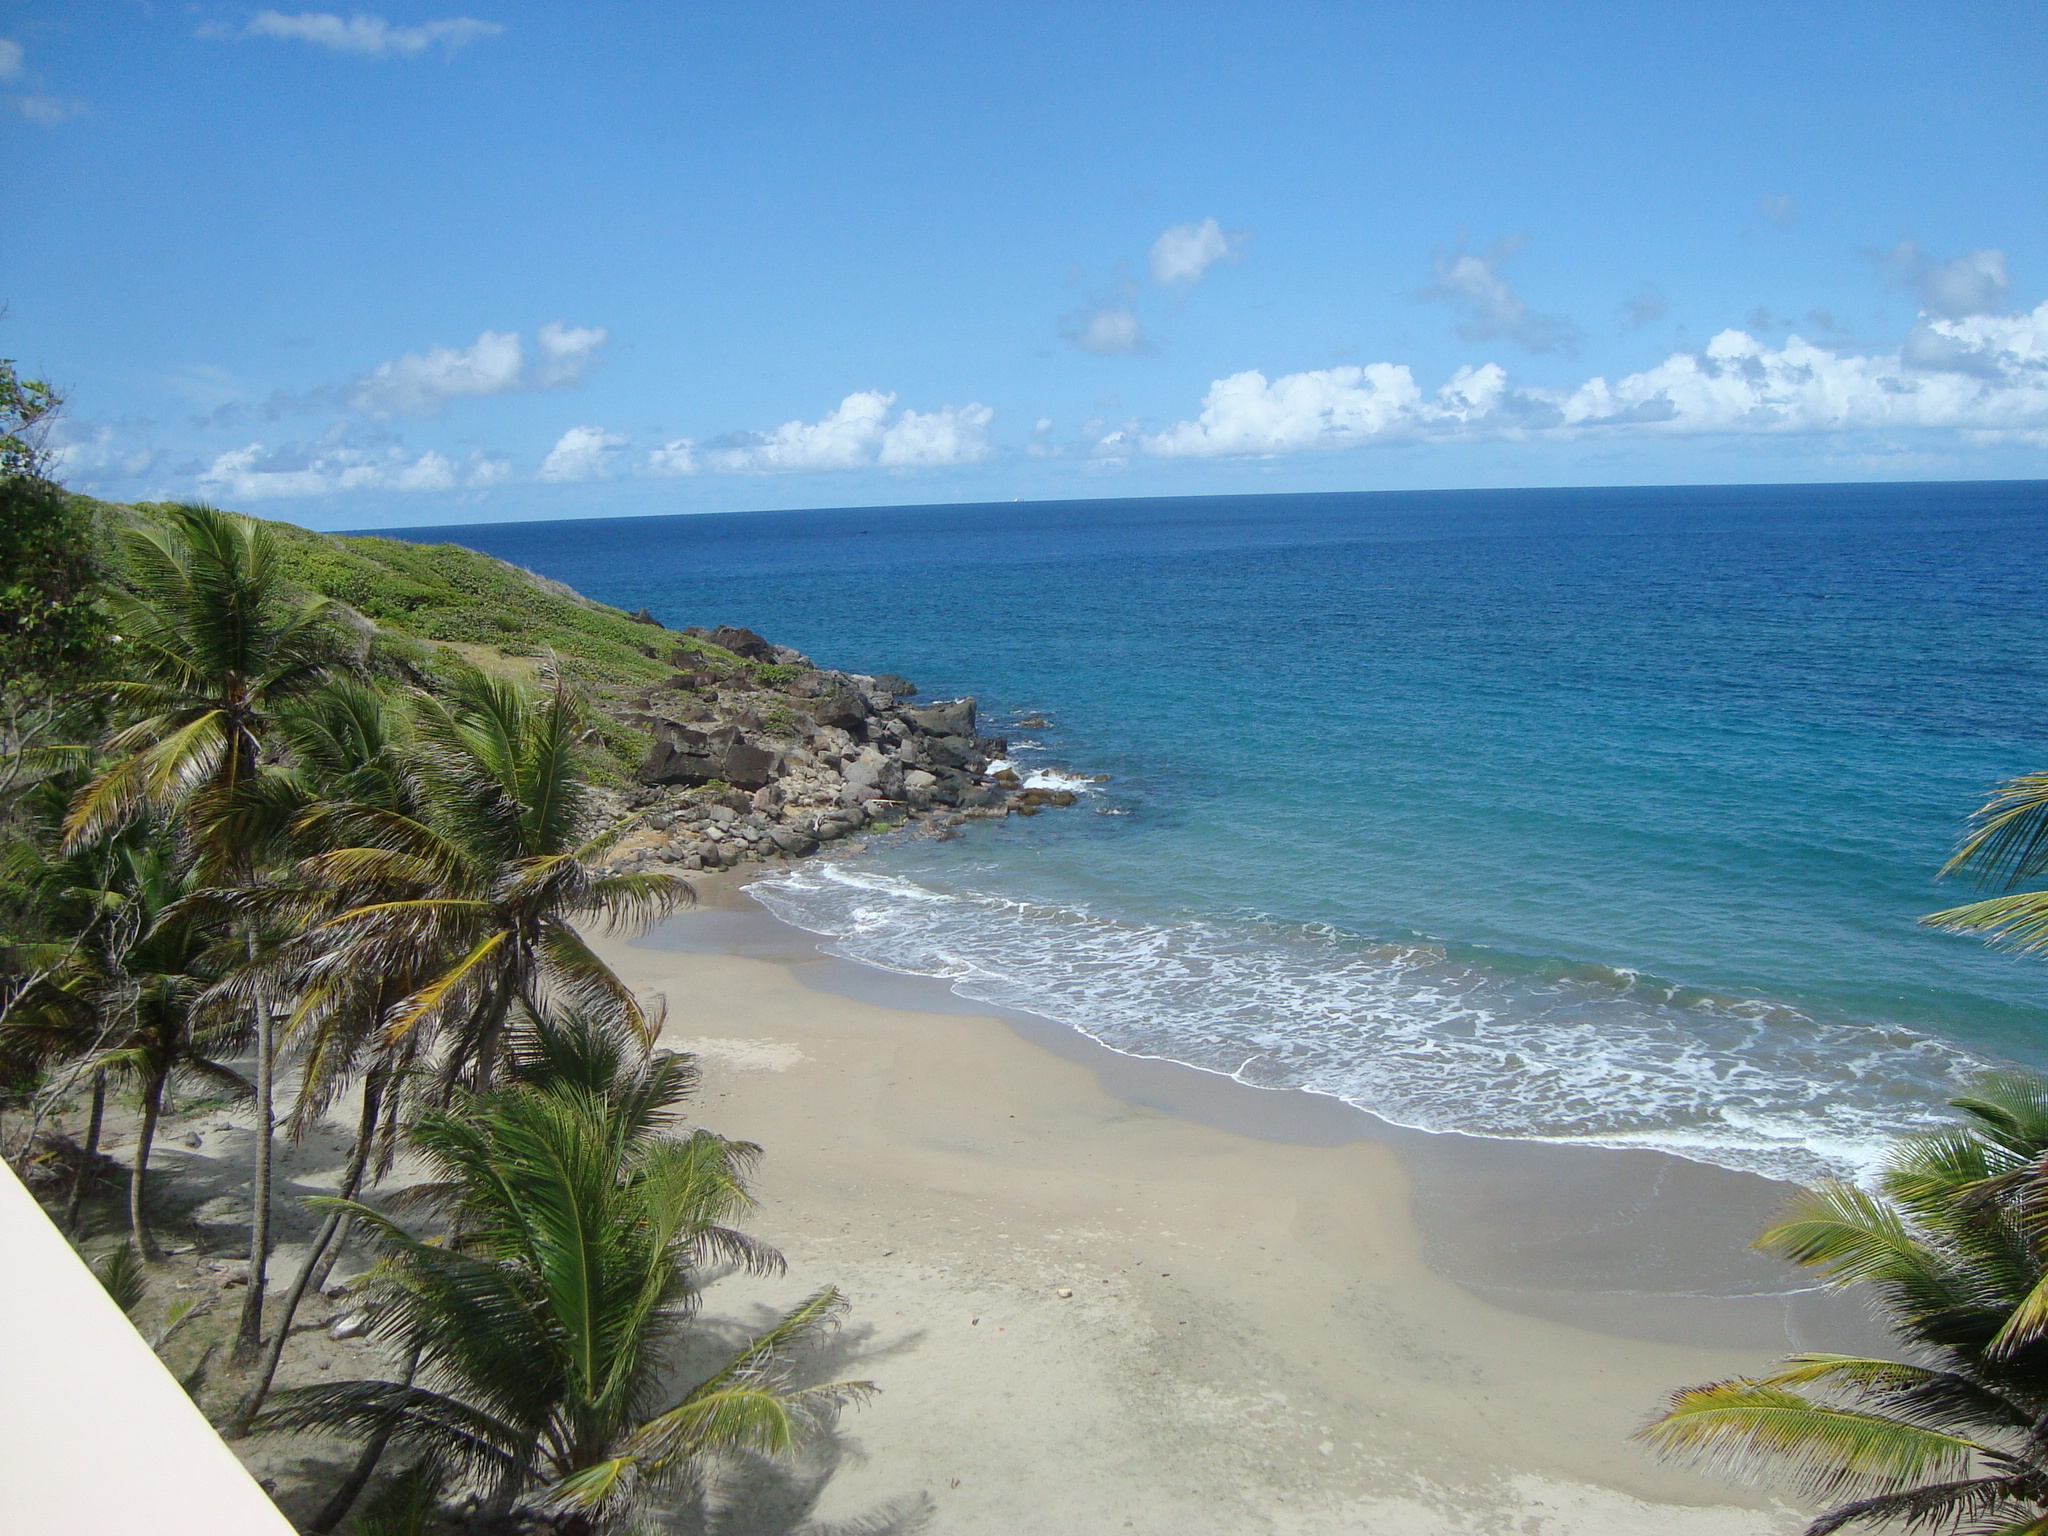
(1254, 1341)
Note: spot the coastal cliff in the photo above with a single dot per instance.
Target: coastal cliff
(757, 752)
(719, 746)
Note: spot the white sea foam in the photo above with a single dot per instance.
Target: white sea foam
(1045, 778)
(1594, 1055)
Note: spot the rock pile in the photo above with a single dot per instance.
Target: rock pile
(758, 753)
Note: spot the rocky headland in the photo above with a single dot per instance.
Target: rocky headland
(760, 753)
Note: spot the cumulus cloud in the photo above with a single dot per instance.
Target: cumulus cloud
(673, 458)
(85, 456)
(259, 473)
(1975, 284)
(37, 106)
(583, 453)
(420, 383)
(1981, 375)
(565, 351)
(1185, 252)
(858, 434)
(933, 438)
(370, 37)
(1108, 330)
(1472, 284)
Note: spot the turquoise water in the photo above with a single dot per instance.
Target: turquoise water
(1584, 815)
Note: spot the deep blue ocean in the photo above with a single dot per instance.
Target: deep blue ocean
(1591, 815)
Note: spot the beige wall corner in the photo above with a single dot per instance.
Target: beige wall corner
(95, 1435)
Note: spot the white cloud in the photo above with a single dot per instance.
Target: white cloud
(1183, 253)
(37, 106)
(674, 458)
(1982, 375)
(564, 351)
(844, 438)
(370, 36)
(1108, 331)
(45, 110)
(420, 383)
(100, 455)
(1976, 284)
(858, 434)
(257, 473)
(583, 453)
(944, 436)
(1473, 285)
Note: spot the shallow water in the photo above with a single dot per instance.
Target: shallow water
(1598, 816)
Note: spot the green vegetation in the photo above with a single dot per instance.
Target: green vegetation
(289, 819)
(542, 1339)
(1953, 1247)
(2007, 845)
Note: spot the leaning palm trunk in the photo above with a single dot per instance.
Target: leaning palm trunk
(319, 1258)
(93, 1125)
(249, 1335)
(145, 1135)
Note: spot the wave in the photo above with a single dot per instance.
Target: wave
(1413, 1033)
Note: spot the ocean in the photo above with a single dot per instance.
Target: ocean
(1589, 816)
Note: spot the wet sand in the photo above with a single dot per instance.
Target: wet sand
(1284, 1315)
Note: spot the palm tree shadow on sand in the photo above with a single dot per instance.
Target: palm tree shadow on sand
(767, 1496)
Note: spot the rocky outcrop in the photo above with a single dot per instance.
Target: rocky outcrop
(759, 753)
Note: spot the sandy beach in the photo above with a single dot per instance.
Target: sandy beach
(1086, 1313)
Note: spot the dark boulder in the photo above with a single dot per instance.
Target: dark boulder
(953, 719)
(644, 617)
(848, 711)
(684, 756)
(950, 752)
(741, 642)
(893, 685)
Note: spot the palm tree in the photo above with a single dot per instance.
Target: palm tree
(129, 1004)
(347, 745)
(488, 876)
(543, 1329)
(1955, 1246)
(2007, 844)
(216, 644)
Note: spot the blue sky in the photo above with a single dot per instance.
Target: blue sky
(483, 261)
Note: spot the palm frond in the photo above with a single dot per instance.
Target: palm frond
(2018, 921)
(1746, 1428)
(1850, 1236)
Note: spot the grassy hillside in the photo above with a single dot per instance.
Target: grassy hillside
(425, 607)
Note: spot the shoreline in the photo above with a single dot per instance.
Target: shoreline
(1214, 1307)
(1637, 1242)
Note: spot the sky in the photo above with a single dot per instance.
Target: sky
(435, 264)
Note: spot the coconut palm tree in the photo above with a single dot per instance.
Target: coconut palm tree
(1954, 1244)
(488, 876)
(129, 1004)
(347, 745)
(2007, 844)
(215, 644)
(545, 1328)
